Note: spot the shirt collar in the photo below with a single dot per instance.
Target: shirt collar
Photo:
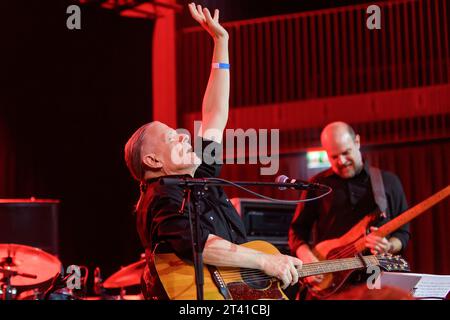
(366, 167)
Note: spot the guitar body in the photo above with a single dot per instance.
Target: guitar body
(228, 283)
(178, 276)
(343, 247)
(220, 283)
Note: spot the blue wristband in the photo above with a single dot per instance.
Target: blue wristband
(220, 65)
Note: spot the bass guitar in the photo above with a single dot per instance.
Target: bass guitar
(353, 242)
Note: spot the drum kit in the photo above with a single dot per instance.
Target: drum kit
(29, 273)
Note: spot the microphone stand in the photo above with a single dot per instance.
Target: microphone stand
(198, 187)
(194, 219)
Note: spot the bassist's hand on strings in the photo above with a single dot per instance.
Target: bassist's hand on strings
(377, 244)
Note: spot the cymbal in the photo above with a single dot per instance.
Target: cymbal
(36, 265)
(126, 277)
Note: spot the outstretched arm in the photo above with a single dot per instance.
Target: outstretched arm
(216, 99)
(220, 252)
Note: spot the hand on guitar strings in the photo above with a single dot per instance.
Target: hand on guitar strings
(283, 267)
(307, 256)
(377, 244)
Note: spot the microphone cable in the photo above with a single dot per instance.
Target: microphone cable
(269, 198)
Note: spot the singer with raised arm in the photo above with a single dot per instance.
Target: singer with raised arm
(362, 195)
(156, 150)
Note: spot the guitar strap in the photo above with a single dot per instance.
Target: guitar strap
(378, 189)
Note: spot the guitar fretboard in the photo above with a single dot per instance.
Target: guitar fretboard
(406, 216)
(315, 268)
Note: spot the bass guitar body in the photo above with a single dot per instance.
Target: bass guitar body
(343, 247)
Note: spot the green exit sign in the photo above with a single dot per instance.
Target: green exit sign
(317, 159)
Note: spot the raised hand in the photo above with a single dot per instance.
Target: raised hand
(209, 23)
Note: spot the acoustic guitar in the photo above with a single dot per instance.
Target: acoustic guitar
(228, 283)
(353, 242)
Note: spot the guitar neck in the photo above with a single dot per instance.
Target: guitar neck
(327, 266)
(415, 211)
(407, 216)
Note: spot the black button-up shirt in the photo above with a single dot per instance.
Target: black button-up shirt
(351, 200)
(164, 223)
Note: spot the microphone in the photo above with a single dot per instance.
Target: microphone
(298, 184)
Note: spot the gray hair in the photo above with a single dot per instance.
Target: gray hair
(133, 149)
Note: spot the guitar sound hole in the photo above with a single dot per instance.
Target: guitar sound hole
(255, 279)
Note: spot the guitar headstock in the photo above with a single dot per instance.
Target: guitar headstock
(390, 262)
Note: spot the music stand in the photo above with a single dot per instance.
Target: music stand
(421, 286)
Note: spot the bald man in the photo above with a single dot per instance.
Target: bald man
(352, 199)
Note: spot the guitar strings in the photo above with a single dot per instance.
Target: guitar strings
(313, 265)
(348, 250)
(307, 267)
(254, 278)
(256, 275)
(251, 277)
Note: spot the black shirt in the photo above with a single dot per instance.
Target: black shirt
(162, 221)
(351, 200)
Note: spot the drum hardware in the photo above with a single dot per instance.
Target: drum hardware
(60, 290)
(58, 283)
(126, 276)
(125, 281)
(25, 269)
(7, 292)
(98, 282)
(28, 273)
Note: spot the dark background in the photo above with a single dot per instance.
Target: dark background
(232, 10)
(70, 99)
